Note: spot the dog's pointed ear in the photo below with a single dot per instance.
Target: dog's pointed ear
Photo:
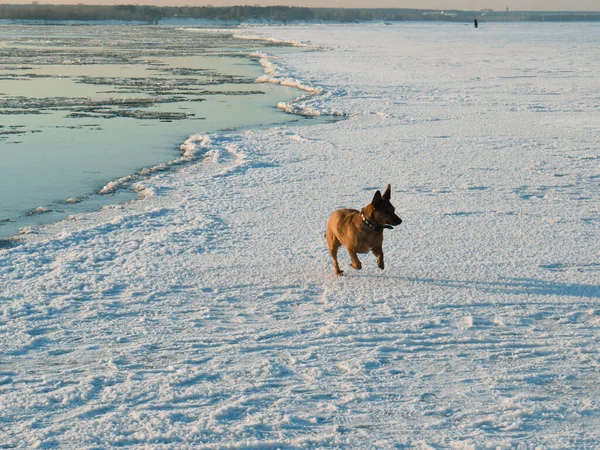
(376, 199)
(388, 193)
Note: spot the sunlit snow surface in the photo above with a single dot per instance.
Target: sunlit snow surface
(207, 315)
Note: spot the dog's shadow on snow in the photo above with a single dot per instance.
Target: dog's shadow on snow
(521, 286)
(517, 286)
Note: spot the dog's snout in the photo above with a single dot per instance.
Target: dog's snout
(397, 221)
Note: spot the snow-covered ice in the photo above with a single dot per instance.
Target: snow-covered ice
(207, 315)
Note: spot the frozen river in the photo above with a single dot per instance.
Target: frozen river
(206, 315)
(83, 105)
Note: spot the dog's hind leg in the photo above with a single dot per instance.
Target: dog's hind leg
(334, 244)
(378, 252)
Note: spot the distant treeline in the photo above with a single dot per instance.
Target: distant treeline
(154, 14)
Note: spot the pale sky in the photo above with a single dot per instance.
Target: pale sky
(475, 5)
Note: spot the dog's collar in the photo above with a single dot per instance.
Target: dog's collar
(374, 226)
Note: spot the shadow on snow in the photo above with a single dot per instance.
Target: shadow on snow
(518, 286)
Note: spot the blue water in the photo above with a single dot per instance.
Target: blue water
(84, 105)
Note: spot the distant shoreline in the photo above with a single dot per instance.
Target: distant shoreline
(275, 14)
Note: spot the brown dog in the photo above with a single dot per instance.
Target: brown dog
(361, 231)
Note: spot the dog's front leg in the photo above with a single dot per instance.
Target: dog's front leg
(336, 266)
(355, 261)
(378, 252)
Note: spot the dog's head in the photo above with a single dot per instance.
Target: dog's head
(383, 212)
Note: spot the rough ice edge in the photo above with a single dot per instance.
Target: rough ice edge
(212, 148)
(193, 146)
(305, 105)
(276, 75)
(273, 75)
(252, 37)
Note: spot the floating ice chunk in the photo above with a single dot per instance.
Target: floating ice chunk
(39, 210)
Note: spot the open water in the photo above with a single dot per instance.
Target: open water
(82, 105)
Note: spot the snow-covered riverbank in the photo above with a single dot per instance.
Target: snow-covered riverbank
(207, 315)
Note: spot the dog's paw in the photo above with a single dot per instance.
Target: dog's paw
(340, 273)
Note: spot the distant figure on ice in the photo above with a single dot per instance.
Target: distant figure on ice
(475, 23)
